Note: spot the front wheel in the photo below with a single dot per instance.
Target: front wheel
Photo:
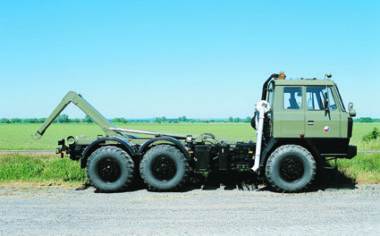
(164, 168)
(110, 169)
(290, 168)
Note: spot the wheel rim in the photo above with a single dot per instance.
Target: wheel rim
(109, 170)
(291, 169)
(163, 168)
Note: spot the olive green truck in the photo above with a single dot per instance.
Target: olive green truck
(300, 124)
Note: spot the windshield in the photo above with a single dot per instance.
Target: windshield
(316, 98)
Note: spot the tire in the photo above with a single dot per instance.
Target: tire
(164, 168)
(110, 169)
(290, 168)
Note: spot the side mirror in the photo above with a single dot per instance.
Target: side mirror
(352, 113)
(351, 110)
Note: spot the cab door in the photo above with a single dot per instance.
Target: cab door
(289, 112)
(322, 116)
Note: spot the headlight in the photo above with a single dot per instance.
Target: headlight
(70, 140)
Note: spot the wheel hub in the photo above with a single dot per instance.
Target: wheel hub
(164, 168)
(109, 170)
(291, 169)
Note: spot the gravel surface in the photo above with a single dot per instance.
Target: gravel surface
(67, 211)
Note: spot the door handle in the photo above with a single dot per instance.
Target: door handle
(310, 122)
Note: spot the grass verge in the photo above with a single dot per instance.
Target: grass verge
(364, 168)
(39, 170)
(50, 170)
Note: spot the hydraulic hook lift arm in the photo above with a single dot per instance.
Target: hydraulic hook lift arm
(80, 102)
(261, 108)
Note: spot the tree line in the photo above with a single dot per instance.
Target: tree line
(367, 120)
(162, 119)
(63, 118)
(60, 119)
(183, 119)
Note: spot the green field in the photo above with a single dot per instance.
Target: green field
(18, 136)
(49, 169)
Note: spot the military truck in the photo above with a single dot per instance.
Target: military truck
(300, 124)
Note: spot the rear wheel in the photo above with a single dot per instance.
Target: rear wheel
(110, 169)
(164, 168)
(290, 168)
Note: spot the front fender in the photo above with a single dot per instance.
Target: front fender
(126, 145)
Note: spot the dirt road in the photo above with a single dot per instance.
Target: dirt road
(62, 211)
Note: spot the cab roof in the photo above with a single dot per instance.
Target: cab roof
(315, 82)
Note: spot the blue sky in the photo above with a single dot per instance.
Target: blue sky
(201, 59)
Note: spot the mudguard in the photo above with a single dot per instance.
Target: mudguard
(176, 143)
(94, 145)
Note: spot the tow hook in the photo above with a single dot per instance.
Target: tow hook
(61, 150)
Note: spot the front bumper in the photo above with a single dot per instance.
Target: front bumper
(352, 151)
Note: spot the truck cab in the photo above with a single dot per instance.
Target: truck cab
(311, 113)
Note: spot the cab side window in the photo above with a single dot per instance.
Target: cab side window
(292, 98)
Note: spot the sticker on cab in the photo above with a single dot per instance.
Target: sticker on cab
(327, 129)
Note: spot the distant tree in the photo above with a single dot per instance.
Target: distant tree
(182, 119)
(237, 120)
(30, 121)
(231, 119)
(41, 120)
(88, 120)
(158, 120)
(16, 120)
(63, 118)
(365, 119)
(119, 120)
(5, 121)
(76, 120)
